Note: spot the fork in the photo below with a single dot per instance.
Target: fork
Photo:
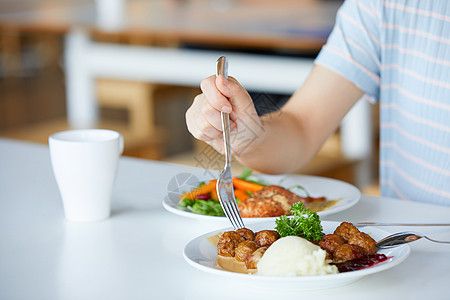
(403, 238)
(224, 184)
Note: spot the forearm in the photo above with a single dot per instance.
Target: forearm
(291, 137)
(279, 142)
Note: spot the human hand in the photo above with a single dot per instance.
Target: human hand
(227, 95)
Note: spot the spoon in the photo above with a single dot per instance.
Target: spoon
(400, 238)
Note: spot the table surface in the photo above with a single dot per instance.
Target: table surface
(137, 252)
(289, 24)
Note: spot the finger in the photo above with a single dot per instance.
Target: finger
(197, 124)
(211, 115)
(205, 131)
(214, 97)
(204, 111)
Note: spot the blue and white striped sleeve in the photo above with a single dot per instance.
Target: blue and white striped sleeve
(353, 47)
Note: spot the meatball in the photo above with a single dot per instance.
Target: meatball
(266, 237)
(245, 249)
(365, 241)
(228, 242)
(347, 252)
(246, 233)
(331, 242)
(252, 260)
(346, 230)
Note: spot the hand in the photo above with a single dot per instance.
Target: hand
(227, 95)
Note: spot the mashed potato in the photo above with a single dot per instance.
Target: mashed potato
(294, 256)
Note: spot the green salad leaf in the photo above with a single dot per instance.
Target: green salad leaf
(203, 207)
(303, 223)
(246, 172)
(300, 188)
(247, 175)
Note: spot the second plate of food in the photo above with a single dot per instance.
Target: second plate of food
(203, 255)
(338, 196)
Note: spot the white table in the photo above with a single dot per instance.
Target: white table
(137, 253)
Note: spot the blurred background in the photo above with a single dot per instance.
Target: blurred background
(135, 66)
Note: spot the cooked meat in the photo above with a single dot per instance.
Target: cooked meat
(266, 237)
(271, 201)
(365, 241)
(331, 242)
(328, 256)
(246, 233)
(347, 252)
(228, 242)
(346, 230)
(260, 208)
(245, 249)
(252, 260)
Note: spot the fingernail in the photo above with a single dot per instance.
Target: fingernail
(226, 109)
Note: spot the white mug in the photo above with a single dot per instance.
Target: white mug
(84, 163)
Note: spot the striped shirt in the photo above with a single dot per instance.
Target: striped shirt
(398, 53)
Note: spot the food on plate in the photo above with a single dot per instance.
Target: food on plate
(244, 249)
(294, 256)
(255, 199)
(304, 223)
(237, 254)
(266, 237)
(251, 261)
(271, 201)
(246, 233)
(348, 243)
(297, 247)
(228, 242)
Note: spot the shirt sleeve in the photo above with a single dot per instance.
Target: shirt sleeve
(353, 47)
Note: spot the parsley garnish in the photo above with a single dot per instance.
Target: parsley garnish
(304, 223)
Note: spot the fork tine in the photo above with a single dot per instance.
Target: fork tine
(237, 215)
(228, 211)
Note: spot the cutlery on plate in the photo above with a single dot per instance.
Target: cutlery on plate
(362, 224)
(224, 186)
(401, 238)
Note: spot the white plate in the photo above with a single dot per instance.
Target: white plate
(316, 186)
(202, 255)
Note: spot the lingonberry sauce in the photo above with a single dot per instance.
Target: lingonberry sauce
(361, 263)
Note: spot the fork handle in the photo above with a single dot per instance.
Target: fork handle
(222, 69)
(362, 224)
(226, 137)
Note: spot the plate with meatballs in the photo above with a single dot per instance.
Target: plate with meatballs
(265, 199)
(260, 257)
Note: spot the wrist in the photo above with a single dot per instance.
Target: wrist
(248, 144)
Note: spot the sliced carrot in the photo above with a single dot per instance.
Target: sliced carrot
(241, 195)
(246, 185)
(203, 189)
(214, 194)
